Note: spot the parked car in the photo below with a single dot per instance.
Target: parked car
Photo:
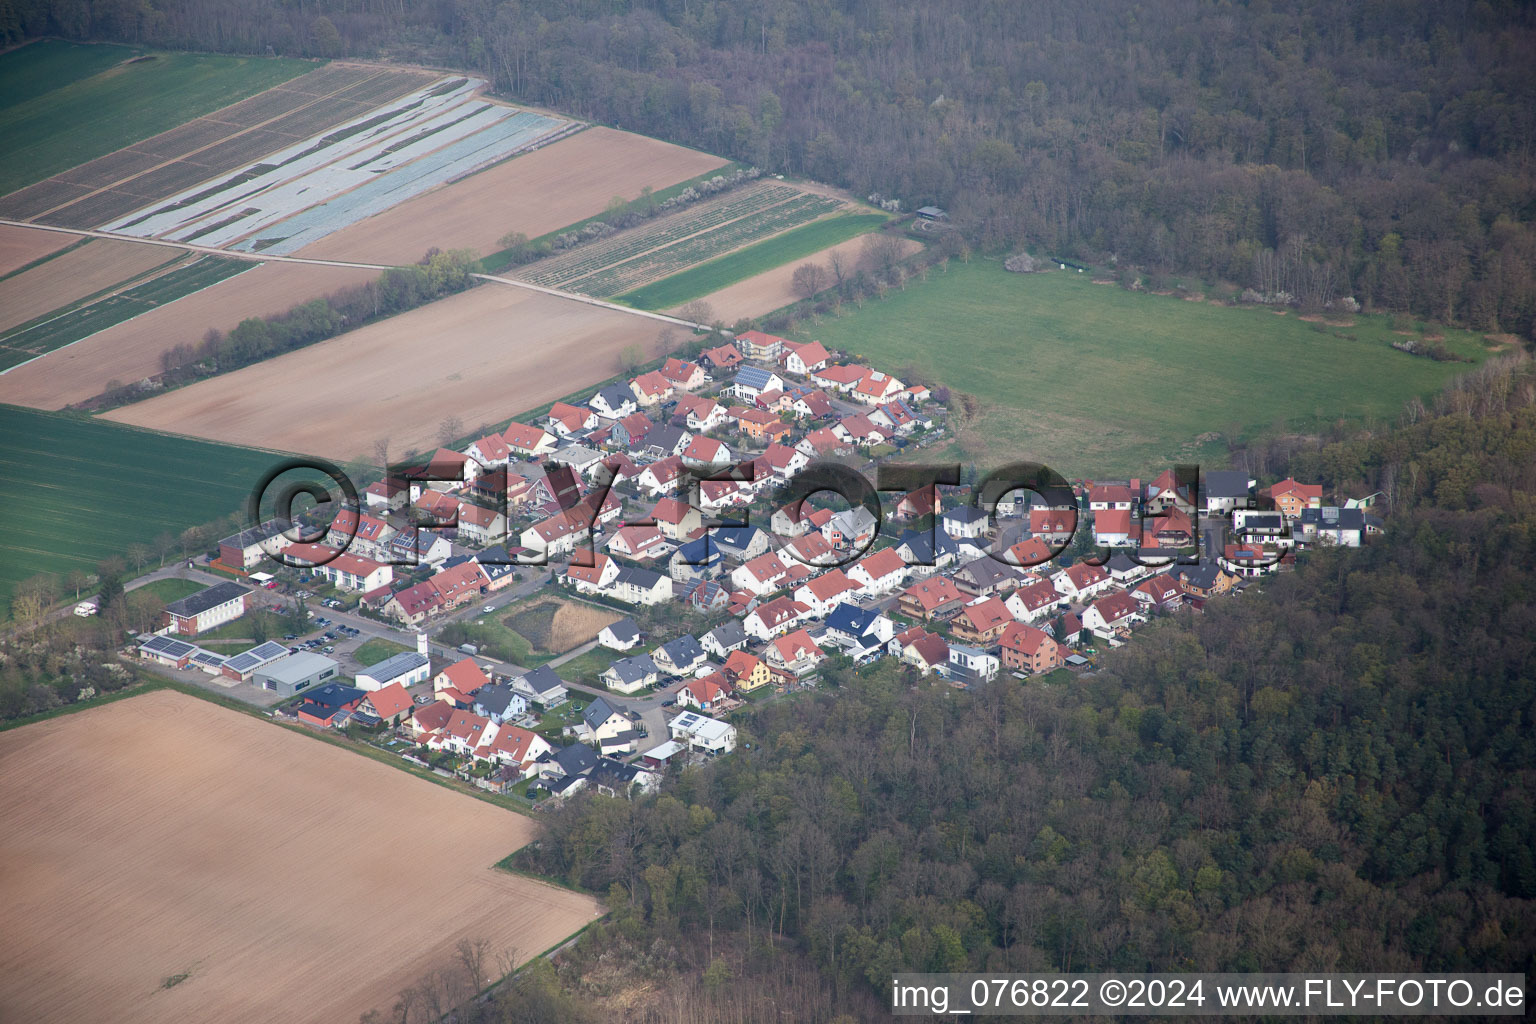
(488, 609)
(330, 650)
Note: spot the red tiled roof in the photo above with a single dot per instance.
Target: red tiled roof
(465, 676)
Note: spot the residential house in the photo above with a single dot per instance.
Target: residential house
(921, 649)
(982, 621)
(876, 388)
(413, 546)
(696, 560)
(705, 693)
(650, 389)
(851, 528)
(614, 401)
(1110, 498)
(841, 378)
(246, 549)
(970, 665)
(1344, 527)
(862, 632)
(760, 575)
(707, 596)
(1082, 581)
(479, 526)
(529, 441)
(661, 477)
(924, 501)
(813, 404)
(627, 675)
(706, 735)
(499, 702)
(796, 518)
(773, 618)
(679, 657)
(389, 704)
(879, 573)
(825, 442)
(794, 654)
(663, 441)
(558, 535)
(637, 586)
(746, 671)
(638, 542)
(800, 358)
(757, 345)
(726, 357)
(682, 374)
(701, 414)
(965, 521)
(1112, 612)
(1291, 497)
(820, 594)
(459, 584)
(724, 639)
(706, 453)
(1112, 528)
(1053, 525)
(1161, 592)
(933, 598)
(542, 687)
(927, 551)
(1033, 602)
(607, 728)
(619, 636)
(752, 381)
(565, 419)
(865, 431)
(463, 675)
(413, 605)
(1226, 490)
(1027, 649)
(986, 576)
(592, 579)
(1166, 492)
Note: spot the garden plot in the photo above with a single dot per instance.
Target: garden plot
(678, 241)
(382, 157)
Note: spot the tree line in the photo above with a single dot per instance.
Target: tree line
(1375, 151)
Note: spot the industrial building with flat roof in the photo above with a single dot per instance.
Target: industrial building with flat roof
(294, 673)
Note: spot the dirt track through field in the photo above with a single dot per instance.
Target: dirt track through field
(482, 356)
(535, 193)
(20, 246)
(98, 265)
(288, 879)
(773, 289)
(131, 351)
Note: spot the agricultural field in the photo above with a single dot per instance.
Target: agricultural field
(537, 192)
(1094, 380)
(785, 250)
(78, 102)
(78, 490)
(553, 626)
(21, 248)
(79, 274)
(299, 193)
(481, 356)
(171, 860)
(663, 247)
(54, 331)
(764, 292)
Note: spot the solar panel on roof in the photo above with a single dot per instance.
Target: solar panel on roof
(243, 662)
(167, 647)
(269, 650)
(208, 658)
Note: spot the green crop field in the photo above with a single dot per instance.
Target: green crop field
(57, 329)
(76, 102)
(74, 491)
(792, 245)
(1094, 380)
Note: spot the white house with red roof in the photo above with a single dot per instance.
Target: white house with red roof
(820, 594)
(795, 654)
(802, 357)
(682, 374)
(355, 573)
(783, 461)
(1110, 497)
(825, 441)
(706, 452)
(594, 578)
(557, 535)
(772, 618)
(726, 357)
(460, 583)
(414, 604)
(1112, 528)
(702, 413)
(660, 477)
(840, 378)
(879, 573)
(651, 388)
(760, 575)
(1113, 611)
(566, 419)
(1082, 582)
(704, 693)
(638, 542)
(481, 526)
(464, 675)
(490, 451)
(757, 345)
(876, 387)
(527, 440)
(1033, 602)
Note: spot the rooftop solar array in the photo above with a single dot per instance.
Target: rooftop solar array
(269, 650)
(167, 647)
(248, 661)
(208, 658)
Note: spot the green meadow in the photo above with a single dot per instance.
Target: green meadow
(62, 104)
(1094, 380)
(74, 490)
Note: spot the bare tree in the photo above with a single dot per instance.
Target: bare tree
(698, 311)
(381, 453)
(448, 430)
(472, 954)
(666, 341)
(139, 554)
(838, 264)
(808, 279)
(631, 358)
(882, 252)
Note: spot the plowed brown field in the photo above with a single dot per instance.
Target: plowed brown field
(97, 265)
(131, 350)
(481, 357)
(284, 878)
(20, 246)
(535, 193)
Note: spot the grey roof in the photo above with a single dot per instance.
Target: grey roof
(629, 670)
(733, 539)
(208, 658)
(682, 651)
(644, 579)
(575, 759)
(609, 772)
(334, 695)
(624, 629)
(542, 679)
(615, 395)
(495, 698)
(986, 571)
(729, 633)
(598, 712)
(256, 534)
(297, 667)
(965, 514)
(396, 665)
(665, 438)
(211, 597)
(1225, 483)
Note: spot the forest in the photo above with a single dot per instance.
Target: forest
(1380, 151)
(1336, 774)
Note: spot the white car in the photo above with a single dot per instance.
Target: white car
(488, 609)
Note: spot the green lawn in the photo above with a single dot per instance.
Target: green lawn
(169, 590)
(376, 650)
(584, 668)
(74, 491)
(796, 244)
(56, 329)
(1094, 380)
(78, 102)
